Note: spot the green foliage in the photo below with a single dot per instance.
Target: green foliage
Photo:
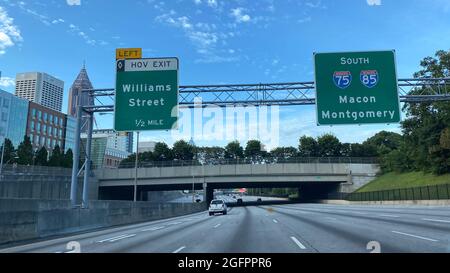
(329, 146)
(162, 152)
(234, 150)
(68, 159)
(426, 123)
(183, 150)
(8, 153)
(308, 147)
(25, 152)
(56, 158)
(254, 150)
(283, 153)
(209, 155)
(41, 157)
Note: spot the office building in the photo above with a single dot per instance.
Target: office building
(147, 146)
(105, 153)
(77, 97)
(13, 118)
(40, 88)
(45, 127)
(69, 140)
(122, 141)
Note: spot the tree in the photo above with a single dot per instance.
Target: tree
(383, 142)
(283, 153)
(162, 152)
(209, 155)
(329, 145)
(56, 157)
(308, 147)
(363, 150)
(8, 153)
(68, 159)
(427, 121)
(183, 150)
(254, 151)
(234, 150)
(41, 157)
(25, 152)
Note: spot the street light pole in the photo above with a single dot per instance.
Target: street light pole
(136, 167)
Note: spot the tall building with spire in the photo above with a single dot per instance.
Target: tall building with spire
(77, 97)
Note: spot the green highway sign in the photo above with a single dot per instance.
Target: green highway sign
(146, 94)
(356, 88)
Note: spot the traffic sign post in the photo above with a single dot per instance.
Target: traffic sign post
(146, 96)
(356, 88)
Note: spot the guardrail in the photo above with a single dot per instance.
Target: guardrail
(180, 163)
(35, 170)
(433, 192)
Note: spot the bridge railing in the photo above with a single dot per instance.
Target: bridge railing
(11, 169)
(246, 161)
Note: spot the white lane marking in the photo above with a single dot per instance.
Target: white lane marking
(153, 228)
(436, 220)
(174, 223)
(415, 236)
(331, 218)
(275, 221)
(357, 212)
(178, 250)
(121, 238)
(112, 238)
(297, 242)
(216, 226)
(389, 215)
(117, 238)
(58, 252)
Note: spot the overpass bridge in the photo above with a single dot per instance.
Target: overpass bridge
(313, 178)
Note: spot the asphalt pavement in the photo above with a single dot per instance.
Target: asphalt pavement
(293, 228)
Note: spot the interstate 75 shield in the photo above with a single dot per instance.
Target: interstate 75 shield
(342, 79)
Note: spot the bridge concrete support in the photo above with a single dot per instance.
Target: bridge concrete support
(311, 192)
(209, 194)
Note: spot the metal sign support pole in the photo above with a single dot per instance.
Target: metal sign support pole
(88, 161)
(76, 158)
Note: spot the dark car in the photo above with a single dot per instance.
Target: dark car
(239, 201)
(259, 200)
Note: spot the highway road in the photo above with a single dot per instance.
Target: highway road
(293, 228)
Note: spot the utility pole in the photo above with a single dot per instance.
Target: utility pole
(136, 168)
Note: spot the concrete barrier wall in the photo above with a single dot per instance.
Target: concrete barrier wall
(25, 219)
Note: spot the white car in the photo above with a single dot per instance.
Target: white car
(217, 206)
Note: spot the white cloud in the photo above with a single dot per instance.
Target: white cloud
(374, 2)
(239, 16)
(9, 33)
(203, 36)
(73, 2)
(7, 82)
(57, 21)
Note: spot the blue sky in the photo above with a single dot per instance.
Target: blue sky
(218, 41)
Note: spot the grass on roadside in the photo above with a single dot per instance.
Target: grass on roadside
(404, 180)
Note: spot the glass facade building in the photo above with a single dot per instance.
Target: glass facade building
(13, 118)
(70, 133)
